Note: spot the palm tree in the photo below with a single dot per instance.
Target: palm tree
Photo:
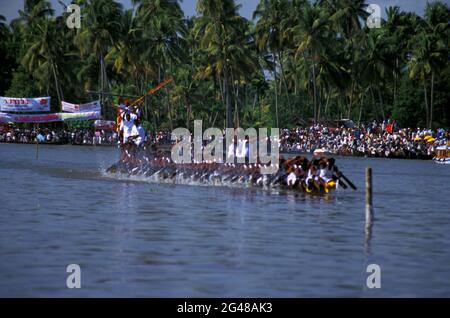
(399, 29)
(42, 43)
(332, 77)
(163, 30)
(346, 18)
(394, 30)
(430, 51)
(219, 30)
(44, 53)
(33, 11)
(124, 55)
(7, 54)
(375, 61)
(4, 30)
(346, 15)
(161, 24)
(24, 27)
(101, 29)
(311, 35)
(270, 38)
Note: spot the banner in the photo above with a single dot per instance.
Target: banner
(48, 118)
(11, 104)
(79, 108)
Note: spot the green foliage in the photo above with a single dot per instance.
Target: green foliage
(80, 124)
(8, 63)
(408, 108)
(298, 61)
(22, 84)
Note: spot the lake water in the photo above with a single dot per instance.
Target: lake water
(149, 240)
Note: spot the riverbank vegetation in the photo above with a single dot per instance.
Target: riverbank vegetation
(297, 61)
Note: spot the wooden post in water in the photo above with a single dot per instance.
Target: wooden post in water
(37, 143)
(369, 199)
(369, 211)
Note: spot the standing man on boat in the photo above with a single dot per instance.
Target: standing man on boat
(119, 119)
(128, 127)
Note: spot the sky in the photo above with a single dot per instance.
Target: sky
(9, 8)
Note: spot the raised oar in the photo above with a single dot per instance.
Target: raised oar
(152, 91)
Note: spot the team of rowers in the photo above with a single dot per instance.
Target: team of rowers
(318, 175)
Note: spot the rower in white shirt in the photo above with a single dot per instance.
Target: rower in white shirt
(241, 149)
(140, 133)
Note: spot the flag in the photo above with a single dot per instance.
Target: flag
(389, 128)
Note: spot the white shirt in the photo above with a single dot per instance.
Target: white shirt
(134, 131)
(326, 174)
(127, 127)
(141, 132)
(241, 151)
(291, 179)
(230, 153)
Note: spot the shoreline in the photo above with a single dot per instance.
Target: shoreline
(410, 156)
(59, 144)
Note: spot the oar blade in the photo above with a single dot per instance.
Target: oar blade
(349, 183)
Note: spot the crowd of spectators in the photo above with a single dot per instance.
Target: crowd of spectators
(58, 136)
(373, 140)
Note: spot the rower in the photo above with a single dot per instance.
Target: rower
(140, 133)
(231, 152)
(291, 179)
(137, 111)
(241, 151)
(325, 172)
(312, 177)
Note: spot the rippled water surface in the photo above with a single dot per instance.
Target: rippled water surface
(134, 238)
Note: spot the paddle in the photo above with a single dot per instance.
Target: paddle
(342, 183)
(349, 182)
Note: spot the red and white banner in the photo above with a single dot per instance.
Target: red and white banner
(11, 104)
(47, 118)
(80, 108)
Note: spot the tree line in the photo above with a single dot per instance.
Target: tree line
(295, 62)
